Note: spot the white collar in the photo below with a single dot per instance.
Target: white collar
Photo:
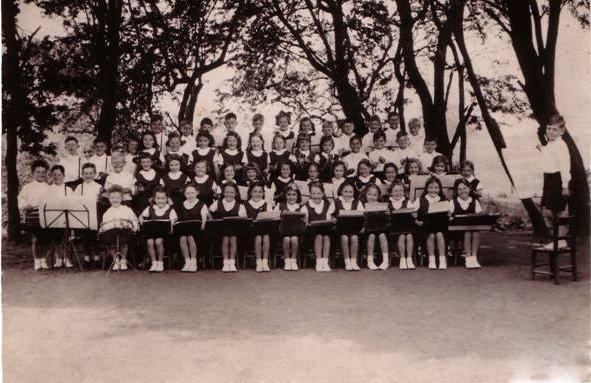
(160, 208)
(315, 205)
(471, 178)
(256, 205)
(179, 174)
(365, 179)
(279, 152)
(201, 179)
(337, 180)
(284, 180)
(304, 152)
(189, 204)
(147, 172)
(228, 204)
(464, 202)
(151, 150)
(203, 151)
(225, 181)
(231, 151)
(257, 153)
(432, 199)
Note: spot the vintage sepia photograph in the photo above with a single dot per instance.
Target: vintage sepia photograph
(347, 191)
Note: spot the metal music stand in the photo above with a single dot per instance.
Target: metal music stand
(120, 236)
(67, 219)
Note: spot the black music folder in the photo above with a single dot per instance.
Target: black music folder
(350, 222)
(293, 223)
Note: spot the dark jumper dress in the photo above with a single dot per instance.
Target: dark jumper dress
(205, 190)
(430, 225)
(175, 188)
(152, 215)
(142, 199)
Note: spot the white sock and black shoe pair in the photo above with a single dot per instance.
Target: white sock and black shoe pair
(352, 265)
(290, 264)
(40, 264)
(262, 265)
(322, 264)
(442, 262)
(190, 265)
(472, 262)
(371, 264)
(385, 263)
(156, 267)
(229, 266)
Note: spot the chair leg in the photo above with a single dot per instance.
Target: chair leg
(573, 262)
(554, 267)
(532, 264)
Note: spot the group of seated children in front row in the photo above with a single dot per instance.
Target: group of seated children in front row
(181, 195)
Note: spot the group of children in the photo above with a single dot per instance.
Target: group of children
(187, 176)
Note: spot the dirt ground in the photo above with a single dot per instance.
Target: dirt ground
(459, 325)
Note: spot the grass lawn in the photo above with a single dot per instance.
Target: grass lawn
(458, 325)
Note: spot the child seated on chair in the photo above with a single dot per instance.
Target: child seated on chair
(160, 210)
(262, 241)
(465, 204)
(191, 209)
(434, 231)
(397, 201)
(228, 206)
(371, 194)
(29, 200)
(118, 211)
(59, 190)
(347, 201)
(290, 243)
(319, 208)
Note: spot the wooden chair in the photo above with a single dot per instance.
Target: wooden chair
(552, 267)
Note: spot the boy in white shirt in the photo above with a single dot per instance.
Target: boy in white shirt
(120, 177)
(380, 155)
(430, 152)
(72, 162)
(404, 151)
(88, 187)
(117, 211)
(414, 134)
(375, 126)
(392, 128)
(101, 160)
(342, 143)
(30, 198)
(352, 159)
(188, 143)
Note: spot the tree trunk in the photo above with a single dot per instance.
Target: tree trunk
(461, 107)
(189, 101)
(109, 70)
(15, 113)
(399, 103)
(352, 107)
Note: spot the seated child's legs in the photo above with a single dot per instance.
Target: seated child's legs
(233, 246)
(151, 249)
(192, 247)
(266, 246)
(159, 242)
(354, 249)
(286, 247)
(226, 247)
(258, 246)
(295, 245)
(345, 246)
(431, 244)
(401, 244)
(409, 245)
(475, 242)
(184, 245)
(468, 243)
(318, 246)
(325, 246)
(441, 244)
